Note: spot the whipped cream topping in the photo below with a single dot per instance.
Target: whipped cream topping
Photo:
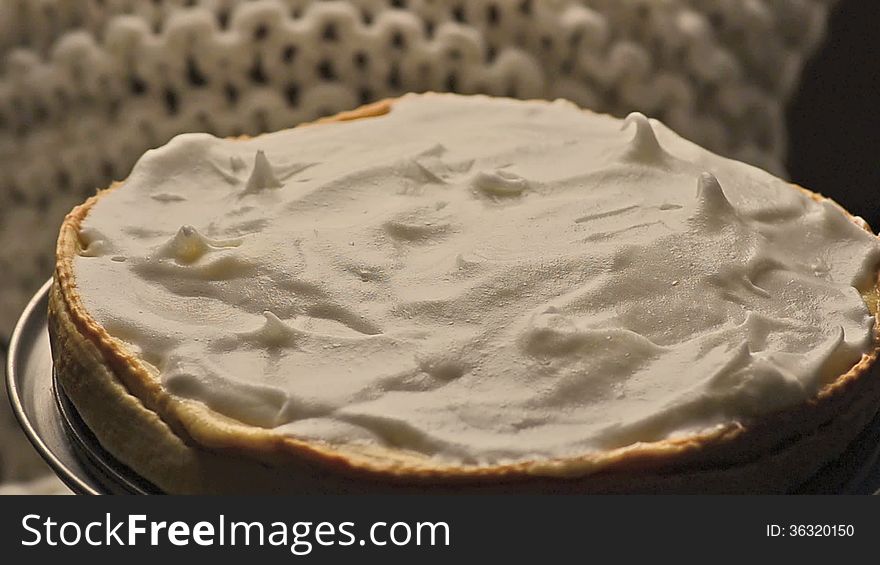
(479, 280)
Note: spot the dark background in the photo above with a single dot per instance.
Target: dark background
(834, 120)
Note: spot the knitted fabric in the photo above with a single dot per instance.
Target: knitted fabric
(86, 86)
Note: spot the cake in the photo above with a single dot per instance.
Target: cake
(444, 293)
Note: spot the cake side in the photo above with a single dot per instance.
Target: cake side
(735, 450)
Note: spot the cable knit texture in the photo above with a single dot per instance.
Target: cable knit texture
(88, 85)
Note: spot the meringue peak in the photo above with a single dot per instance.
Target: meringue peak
(188, 245)
(262, 176)
(500, 183)
(711, 200)
(273, 333)
(645, 146)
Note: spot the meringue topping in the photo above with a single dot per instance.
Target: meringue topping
(478, 280)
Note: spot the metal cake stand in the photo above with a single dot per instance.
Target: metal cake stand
(58, 433)
(49, 419)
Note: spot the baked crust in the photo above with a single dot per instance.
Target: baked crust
(184, 447)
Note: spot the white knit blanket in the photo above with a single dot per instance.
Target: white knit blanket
(86, 86)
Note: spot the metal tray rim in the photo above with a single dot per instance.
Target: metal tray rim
(63, 471)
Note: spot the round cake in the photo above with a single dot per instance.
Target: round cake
(465, 294)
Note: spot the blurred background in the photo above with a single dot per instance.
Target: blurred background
(86, 86)
(834, 116)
